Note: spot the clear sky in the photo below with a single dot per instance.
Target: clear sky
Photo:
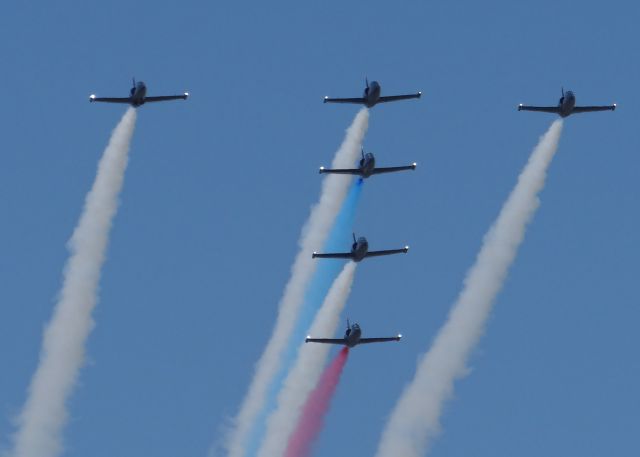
(219, 186)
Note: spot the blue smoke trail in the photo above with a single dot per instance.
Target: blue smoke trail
(339, 239)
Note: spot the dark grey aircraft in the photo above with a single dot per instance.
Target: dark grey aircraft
(367, 167)
(372, 96)
(352, 337)
(138, 96)
(566, 106)
(359, 251)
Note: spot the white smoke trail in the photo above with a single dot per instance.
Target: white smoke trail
(415, 419)
(314, 234)
(44, 414)
(311, 360)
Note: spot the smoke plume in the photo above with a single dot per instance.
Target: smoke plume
(313, 237)
(415, 420)
(308, 366)
(315, 409)
(44, 414)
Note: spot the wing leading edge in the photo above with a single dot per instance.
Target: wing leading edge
(544, 109)
(164, 98)
(404, 250)
(588, 109)
(357, 100)
(93, 98)
(341, 171)
(379, 340)
(377, 171)
(393, 98)
(326, 340)
(333, 255)
(358, 171)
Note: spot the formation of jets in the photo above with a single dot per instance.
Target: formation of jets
(367, 167)
(360, 247)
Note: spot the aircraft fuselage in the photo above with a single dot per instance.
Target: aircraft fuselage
(566, 103)
(138, 93)
(367, 165)
(371, 94)
(353, 335)
(359, 249)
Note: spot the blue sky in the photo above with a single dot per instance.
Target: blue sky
(219, 186)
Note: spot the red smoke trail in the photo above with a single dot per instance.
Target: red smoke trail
(316, 407)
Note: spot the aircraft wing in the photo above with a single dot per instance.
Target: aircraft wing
(544, 109)
(93, 98)
(341, 171)
(358, 100)
(377, 171)
(164, 98)
(378, 340)
(404, 250)
(587, 109)
(393, 98)
(335, 255)
(326, 340)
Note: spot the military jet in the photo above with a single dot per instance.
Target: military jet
(367, 167)
(566, 106)
(352, 337)
(138, 96)
(359, 250)
(371, 96)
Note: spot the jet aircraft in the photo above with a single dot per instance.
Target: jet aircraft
(359, 250)
(352, 337)
(566, 106)
(367, 167)
(371, 96)
(138, 96)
